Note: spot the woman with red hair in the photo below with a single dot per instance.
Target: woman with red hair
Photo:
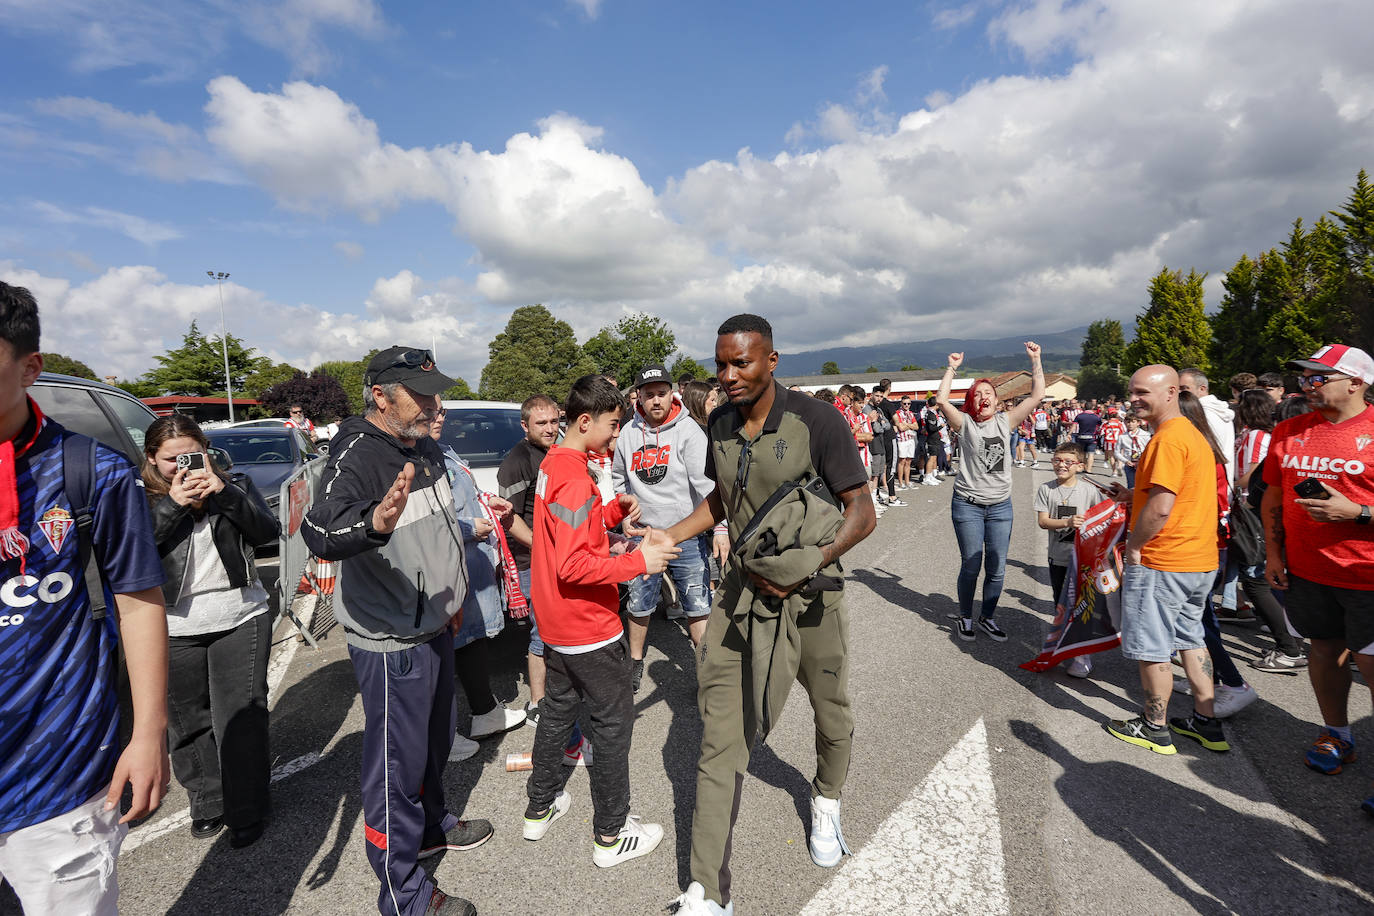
(981, 505)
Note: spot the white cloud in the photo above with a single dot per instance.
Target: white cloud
(174, 40)
(871, 86)
(154, 313)
(592, 8)
(138, 228)
(351, 250)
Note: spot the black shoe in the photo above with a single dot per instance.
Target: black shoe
(206, 827)
(1208, 733)
(965, 628)
(461, 836)
(240, 837)
(990, 627)
(1142, 734)
(636, 674)
(441, 904)
(532, 715)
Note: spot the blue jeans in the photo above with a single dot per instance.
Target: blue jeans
(691, 574)
(1162, 612)
(984, 533)
(536, 644)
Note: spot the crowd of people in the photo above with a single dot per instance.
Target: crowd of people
(730, 504)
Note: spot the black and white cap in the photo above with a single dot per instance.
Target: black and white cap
(651, 374)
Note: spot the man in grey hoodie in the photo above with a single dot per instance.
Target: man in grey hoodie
(661, 460)
(385, 512)
(1220, 416)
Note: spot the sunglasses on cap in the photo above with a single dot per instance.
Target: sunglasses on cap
(411, 359)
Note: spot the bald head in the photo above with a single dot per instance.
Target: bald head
(1154, 394)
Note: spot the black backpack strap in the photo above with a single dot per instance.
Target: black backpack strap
(78, 476)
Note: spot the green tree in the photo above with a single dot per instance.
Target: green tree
(138, 388)
(1100, 382)
(268, 376)
(65, 365)
(872, 369)
(350, 375)
(685, 365)
(459, 392)
(197, 367)
(626, 347)
(535, 354)
(911, 367)
(1351, 319)
(1104, 345)
(830, 367)
(1237, 327)
(1173, 329)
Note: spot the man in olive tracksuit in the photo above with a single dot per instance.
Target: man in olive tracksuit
(764, 437)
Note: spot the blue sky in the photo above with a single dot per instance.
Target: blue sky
(372, 173)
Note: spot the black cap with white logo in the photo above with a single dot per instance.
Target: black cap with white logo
(651, 374)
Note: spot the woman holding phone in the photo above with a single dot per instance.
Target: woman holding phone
(207, 524)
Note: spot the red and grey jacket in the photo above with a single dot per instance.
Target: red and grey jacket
(573, 575)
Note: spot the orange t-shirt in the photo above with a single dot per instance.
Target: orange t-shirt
(1179, 459)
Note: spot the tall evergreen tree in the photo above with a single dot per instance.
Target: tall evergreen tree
(197, 366)
(1173, 330)
(1237, 344)
(1104, 345)
(1351, 319)
(535, 354)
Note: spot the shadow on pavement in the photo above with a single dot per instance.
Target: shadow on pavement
(305, 807)
(1186, 839)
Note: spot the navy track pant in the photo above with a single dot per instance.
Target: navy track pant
(408, 701)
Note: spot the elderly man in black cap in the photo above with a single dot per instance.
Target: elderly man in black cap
(385, 512)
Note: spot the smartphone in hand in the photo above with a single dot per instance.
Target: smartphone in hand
(1311, 488)
(191, 463)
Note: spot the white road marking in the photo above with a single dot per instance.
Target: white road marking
(281, 661)
(183, 817)
(939, 852)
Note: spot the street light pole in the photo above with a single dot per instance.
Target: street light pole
(219, 279)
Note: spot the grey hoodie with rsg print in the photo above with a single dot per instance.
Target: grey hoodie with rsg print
(663, 466)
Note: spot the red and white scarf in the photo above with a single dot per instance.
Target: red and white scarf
(13, 543)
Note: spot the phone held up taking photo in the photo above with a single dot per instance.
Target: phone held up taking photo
(191, 462)
(1311, 488)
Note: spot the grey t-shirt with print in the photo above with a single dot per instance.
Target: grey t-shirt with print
(984, 465)
(1065, 502)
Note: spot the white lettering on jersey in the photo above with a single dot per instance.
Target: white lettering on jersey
(51, 589)
(1352, 466)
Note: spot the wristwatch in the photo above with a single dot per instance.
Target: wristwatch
(1363, 518)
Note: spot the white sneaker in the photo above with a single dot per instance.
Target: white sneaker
(1079, 666)
(536, 827)
(933, 480)
(694, 903)
(895, 502)
(580, 756)
(827, 839)
(1231, 700)
(635, 839)
(463, 748)
(496, 720)
(878, 511)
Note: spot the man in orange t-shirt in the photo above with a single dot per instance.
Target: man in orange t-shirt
(1170, 561)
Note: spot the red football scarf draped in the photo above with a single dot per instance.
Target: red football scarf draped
(515, 598)
(13, 543)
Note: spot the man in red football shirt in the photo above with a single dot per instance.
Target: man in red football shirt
(1319, 541)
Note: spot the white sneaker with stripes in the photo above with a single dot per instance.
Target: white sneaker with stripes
(635, 839)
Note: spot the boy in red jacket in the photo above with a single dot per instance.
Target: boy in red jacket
(576, 604)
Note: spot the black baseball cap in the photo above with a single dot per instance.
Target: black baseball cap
(650, 374)
(410, 366)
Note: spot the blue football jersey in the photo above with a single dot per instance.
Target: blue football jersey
(59, 711)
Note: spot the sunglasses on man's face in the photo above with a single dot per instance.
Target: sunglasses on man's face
(1319, 381)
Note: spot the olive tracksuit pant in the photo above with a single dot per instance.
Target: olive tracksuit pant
(728, 727)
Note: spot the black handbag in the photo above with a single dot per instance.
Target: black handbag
(1246, 538)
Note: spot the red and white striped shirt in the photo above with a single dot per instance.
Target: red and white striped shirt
(1251, 448)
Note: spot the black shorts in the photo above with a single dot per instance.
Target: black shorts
(1043, 441)
(1089, 444)
(1327, 612)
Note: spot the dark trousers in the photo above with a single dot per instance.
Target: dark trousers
(408, 702)
(1057, 576)
(473, 665)
(890, 469)
(217, 720)
(598, 682)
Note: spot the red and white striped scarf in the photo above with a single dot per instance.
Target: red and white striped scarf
(13, 543)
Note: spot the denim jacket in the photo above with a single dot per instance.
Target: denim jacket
(484, 611)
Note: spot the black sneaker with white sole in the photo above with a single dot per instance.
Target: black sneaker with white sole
(990, 627)
(964, 628)
(636, 674)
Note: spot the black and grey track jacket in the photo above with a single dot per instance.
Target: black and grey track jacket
(395, 590)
